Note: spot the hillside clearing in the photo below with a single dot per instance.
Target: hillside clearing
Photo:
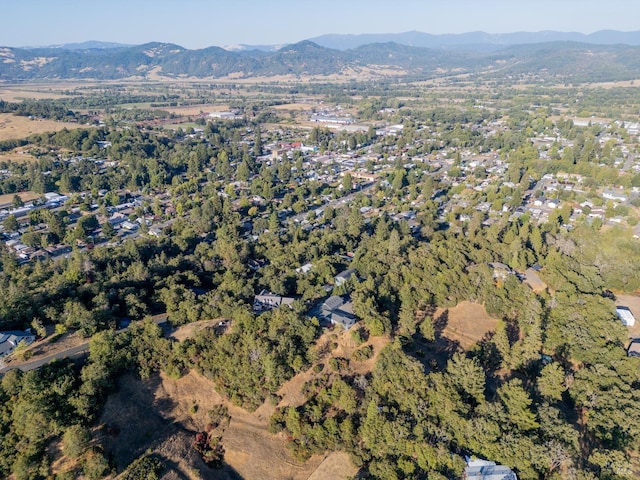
(467, 323)
(161, 415)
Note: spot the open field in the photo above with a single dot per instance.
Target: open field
(16, 156)
(295, 106)
(25, 196)
(20, 93)
(466, 323)
(15, 127)
(195, 109)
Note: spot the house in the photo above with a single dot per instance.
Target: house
(500, 270)
(625, 314)
(485, 470)
(10, 340)
(338, 311)
(304, 268)
(268, 301)
(131, 226)
(344, 276)
(614, 195)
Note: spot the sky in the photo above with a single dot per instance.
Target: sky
(201, 23)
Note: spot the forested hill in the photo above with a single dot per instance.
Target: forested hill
(566, 61)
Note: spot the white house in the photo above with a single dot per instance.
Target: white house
(626, 316)
(485, 470)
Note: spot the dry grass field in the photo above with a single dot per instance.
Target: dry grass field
(20, 93)
(161, 415)
(15, 127)
(16, 156)
(466, 323)
(25, 196)
(195, 109)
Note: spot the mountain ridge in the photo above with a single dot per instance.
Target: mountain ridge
(568, 60)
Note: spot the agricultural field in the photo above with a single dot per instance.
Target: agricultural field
(14, 127)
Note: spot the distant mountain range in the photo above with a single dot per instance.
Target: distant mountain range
(477, 40)
(554, 61)
(90, 44)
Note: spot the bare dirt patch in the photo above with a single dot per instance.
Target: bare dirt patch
(16, 127)
(467, 323)
(335, 465)
(191, 329)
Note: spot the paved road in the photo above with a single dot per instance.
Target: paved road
(74, 352)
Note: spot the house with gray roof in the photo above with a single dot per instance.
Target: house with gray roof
(338, 311)
(268, 301)
(344, 277)
(10, 340)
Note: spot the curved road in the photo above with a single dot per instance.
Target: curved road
(75, 352)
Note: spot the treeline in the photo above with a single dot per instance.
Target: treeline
(49, 109)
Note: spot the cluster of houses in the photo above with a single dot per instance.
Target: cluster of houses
(335, 310)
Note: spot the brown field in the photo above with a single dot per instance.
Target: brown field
(195, 109)
(14, 127)
(161, 415)
(25, 196)
(17, 94)
(294, 106)
(335, 466)
(16, 156)
(466, 323)
(190, 329)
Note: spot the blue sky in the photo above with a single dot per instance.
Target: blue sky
(201, 23)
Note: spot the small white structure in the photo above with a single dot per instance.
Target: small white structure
(485, 470)
(626, 316)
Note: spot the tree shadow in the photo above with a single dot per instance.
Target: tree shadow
(173, 471)
(433, 354)
(136, 421)
(440, 323)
